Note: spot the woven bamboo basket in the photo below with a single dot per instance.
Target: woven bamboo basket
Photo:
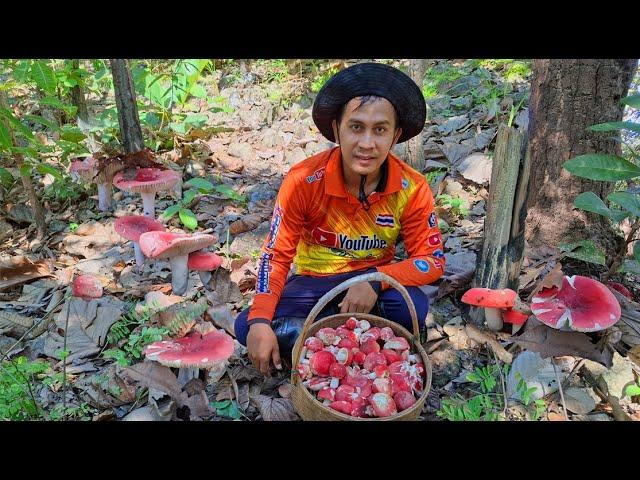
(306, 405)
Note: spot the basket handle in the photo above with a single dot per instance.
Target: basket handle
(367, 277)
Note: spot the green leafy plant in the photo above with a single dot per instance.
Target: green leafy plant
(227, 408)
(322, 78)
(456, 204)
(612, 168)
(17, 382)
(135, 339)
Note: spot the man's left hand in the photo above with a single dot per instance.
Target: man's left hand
(359, 299)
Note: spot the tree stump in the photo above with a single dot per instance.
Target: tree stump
(499, 264)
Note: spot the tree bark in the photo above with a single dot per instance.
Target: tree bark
(414, 149)
(567, 96)
(499, 262)
(38, 210)
(126, 105)
(77, 97)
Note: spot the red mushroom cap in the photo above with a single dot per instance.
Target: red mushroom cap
(167, 244)
(514, 317)
(582, 304)
(193, 351)
(618, 287)
(132, 226)
(204, 261)
(486, 297)
(87, 287)
(146, 180)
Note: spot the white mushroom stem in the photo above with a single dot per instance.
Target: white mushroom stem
(104, 197)
(139, 255)
(149, 204)
(493, 317)
(186, 374)
(179, 274)
(205, 277)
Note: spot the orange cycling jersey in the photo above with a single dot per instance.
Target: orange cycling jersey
(328, 231)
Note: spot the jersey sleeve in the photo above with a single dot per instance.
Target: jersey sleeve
(422, 241)
(278, 249)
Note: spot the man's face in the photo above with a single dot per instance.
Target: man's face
(366, 134)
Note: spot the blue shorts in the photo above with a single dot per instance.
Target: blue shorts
(302, 292)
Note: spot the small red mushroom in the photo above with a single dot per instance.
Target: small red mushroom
(131, 227)
(327, 335)
(381, 371)
(383, 405)
(370, 346)
(373, 332)
(514, 317)
(397, 343)
(342, 406)
(146, 182)
(382, 385)
(86, 287)
(327, 393)
(320, 362)
(204, 263)
(364, 325)
(347, 343)
(373, 359)
(314, 344)
(618, 287)
(345, 392)
(317, 383)
(386, 333)
(492, 301)
(351, 323)
(344, 356)
(391, 355)
(359, 357)
(404, 400)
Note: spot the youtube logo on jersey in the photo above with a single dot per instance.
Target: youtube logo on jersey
(325, 238)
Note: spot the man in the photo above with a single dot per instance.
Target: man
(339, 213)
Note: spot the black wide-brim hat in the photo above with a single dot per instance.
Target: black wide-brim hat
(371, 79)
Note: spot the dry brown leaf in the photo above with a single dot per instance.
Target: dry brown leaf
(285, 390)
(549, 342)
(634, 355)
(224, 289)
(275, 409)
(552, 279)
(20, 269)
(488, 339)
(228, 162)
(555, 417)
(154, 375)
(246, 223)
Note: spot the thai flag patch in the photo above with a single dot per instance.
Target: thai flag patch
(385, 220)
(433, 220)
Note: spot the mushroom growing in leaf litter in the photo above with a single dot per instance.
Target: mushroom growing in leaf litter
(492, 301)
(204, 263)
(131, 227)
(195, 351)
(87, 169)
(146, 182)
(86, 287)
(581, 304)
(176, 247)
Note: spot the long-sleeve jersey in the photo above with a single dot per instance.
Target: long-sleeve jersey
(328, 231)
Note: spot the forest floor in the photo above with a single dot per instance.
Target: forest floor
(261, 127)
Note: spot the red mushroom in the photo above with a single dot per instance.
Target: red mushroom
(87, 287)
(320, 362)
(514, 317)
(87, 169)
(581, 304)
(176, 247)
(618, 287)
(131, 227)
(146, 182)
(492, 301)
(204, 263)
(404, 400)
(193, 352)
(383, 405)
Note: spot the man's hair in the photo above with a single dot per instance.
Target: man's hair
(364, 99)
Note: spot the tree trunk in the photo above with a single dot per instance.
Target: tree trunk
(38, 211)
(77, 97)
(126, 104)
(567, 96)
(414, 149)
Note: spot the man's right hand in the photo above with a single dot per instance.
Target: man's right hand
(262, 347)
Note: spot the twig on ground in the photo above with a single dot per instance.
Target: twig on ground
(504, 388)
(564, 405)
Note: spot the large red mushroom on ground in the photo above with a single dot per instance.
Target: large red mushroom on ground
(193, 352)
(131, 227)
(204, 263)
(146, 182)
(175, 247)
(581, 304)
